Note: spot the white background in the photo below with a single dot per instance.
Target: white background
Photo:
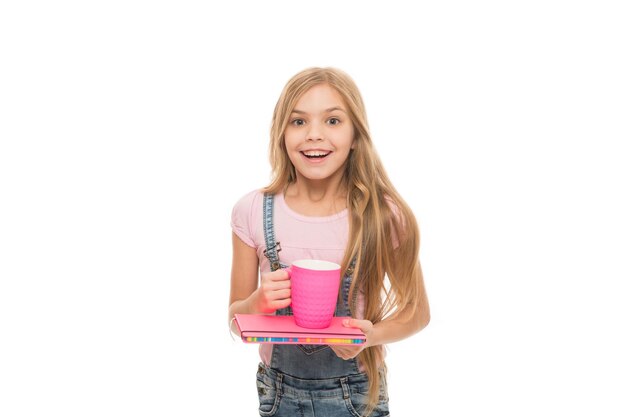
(129, 129)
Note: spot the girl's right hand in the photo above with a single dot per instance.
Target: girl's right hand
(274, 292)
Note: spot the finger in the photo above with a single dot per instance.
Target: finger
(363, 325)
(343, 353)
(277, 304)
(350, 351)
(280, 294)
(271, 284)
(280, 275)
(277, 286)
(275, 276)
(341, 348)
(337, 351)
(350, 322)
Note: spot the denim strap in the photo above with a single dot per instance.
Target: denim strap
(271, 246)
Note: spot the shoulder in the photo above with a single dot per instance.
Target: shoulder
(400, 219)
(396, 209)
(246, 215)
(249, 201)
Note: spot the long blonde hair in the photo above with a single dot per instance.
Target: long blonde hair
(384, 237)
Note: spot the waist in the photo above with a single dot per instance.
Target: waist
(312, 388)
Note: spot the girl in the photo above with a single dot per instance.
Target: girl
(329, 199)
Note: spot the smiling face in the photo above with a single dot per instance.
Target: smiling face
(319, 135)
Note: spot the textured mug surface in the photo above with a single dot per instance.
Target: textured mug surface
(314, 291)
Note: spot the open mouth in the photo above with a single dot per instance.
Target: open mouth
(315, 154)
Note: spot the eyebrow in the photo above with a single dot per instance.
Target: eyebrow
(325, 111)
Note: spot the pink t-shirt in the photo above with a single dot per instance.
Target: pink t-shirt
(300, 237)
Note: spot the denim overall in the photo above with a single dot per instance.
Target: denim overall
(311, 380)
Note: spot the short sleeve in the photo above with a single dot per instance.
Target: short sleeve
(242, 218)
(398, 225)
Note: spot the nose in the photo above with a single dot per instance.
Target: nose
(315, 132)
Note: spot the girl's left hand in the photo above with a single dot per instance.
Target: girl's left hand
(348, 351)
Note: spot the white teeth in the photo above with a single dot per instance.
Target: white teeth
(315, 153)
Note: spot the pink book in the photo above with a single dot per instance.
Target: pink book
(256, 328)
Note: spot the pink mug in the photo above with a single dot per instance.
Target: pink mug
(314, 291)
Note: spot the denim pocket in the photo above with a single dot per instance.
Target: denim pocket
(356, 403)
(311, 349)
(268, 396)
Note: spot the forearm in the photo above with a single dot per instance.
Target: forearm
(395, 329)
(245, 306)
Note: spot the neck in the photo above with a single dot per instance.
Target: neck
(316, 198)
